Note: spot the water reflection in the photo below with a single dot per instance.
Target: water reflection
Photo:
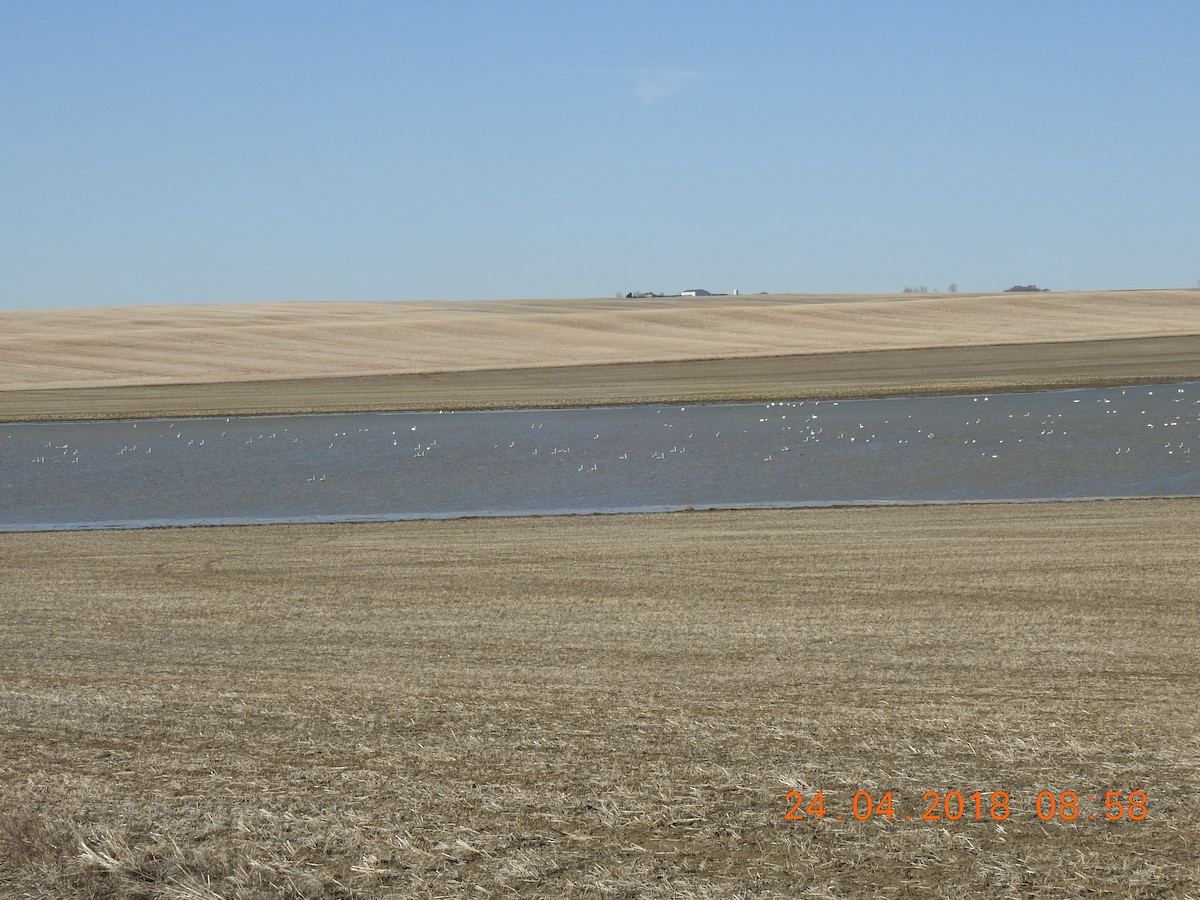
(1060, 444)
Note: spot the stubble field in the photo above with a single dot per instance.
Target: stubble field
(610, 706)
(305, 357)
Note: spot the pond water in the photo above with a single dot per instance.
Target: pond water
(1114, 442)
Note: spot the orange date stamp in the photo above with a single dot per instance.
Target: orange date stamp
(978, 806)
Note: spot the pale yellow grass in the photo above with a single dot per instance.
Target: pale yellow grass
(175, 344)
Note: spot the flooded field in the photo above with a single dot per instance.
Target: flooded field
(1114, 442)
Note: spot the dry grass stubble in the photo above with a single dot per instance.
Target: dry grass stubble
(269, 358)
(262, 341)
(602, 706)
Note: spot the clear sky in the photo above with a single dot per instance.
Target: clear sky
(184, 152)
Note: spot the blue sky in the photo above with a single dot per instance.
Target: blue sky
(242, 151)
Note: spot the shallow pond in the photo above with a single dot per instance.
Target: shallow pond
(1115, 442)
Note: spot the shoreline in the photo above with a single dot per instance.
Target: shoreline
(734, 509)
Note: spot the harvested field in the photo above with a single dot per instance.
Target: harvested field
(603, 706)
(938, 370)
(294, 357)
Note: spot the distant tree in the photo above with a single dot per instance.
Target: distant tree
(1025, 289)
(953, 288)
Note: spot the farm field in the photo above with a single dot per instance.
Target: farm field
(306, 357)
(605, 706)
(602, 706)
